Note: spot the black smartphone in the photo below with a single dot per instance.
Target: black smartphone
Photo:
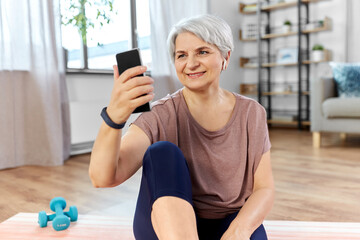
(129, 59)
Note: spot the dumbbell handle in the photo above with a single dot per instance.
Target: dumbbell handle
(51, 217)
(58, 210)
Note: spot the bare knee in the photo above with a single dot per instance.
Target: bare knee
(173, 218)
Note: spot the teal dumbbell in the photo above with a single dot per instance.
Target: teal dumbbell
(61, 220)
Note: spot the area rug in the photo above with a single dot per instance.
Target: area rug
(24, 226)
(298, 230)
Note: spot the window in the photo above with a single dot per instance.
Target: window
(128, 28)
(15, 37)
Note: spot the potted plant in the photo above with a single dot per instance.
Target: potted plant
(319, 24)
(317, 52)
(287, 26)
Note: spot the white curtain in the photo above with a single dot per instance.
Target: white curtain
(353, 31)
(34, 110)
(164, 14)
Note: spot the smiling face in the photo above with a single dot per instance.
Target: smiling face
(198, 64)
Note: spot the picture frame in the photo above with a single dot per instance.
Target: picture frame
(287, 55)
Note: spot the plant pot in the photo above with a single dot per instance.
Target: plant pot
(317, 55)
(286, 28)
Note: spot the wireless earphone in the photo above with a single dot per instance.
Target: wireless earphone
(224, 65)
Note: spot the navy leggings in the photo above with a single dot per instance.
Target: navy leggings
(165, 173)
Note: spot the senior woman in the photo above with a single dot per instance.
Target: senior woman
(205, 151)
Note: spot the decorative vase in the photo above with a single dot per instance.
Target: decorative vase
(286, 28)
(317, 55)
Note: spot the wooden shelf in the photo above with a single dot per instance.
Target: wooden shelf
(274, 6)
(242, 6)
(311, 62)
(312, 1)
(325, 27)
(327, 58)
(279, 6)
(270, 65)
(249, 66)
(245, 61)
(279, 64)
(276, 35)
(291, 64)
(284, 122)
(283, 93)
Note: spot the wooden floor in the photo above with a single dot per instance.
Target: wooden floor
(311, 184)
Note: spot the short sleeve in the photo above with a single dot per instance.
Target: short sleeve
(160, 123)
(259, 142)
(267, 143)
(148, 123)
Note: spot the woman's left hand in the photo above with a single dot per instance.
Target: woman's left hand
(235, 233)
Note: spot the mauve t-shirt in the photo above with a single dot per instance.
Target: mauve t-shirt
(222, 163)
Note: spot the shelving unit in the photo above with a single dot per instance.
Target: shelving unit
(264, 88)
(325, 27)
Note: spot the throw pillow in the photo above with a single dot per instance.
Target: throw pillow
(347, 78)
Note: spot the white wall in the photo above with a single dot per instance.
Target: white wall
(228, 10)
(89, 93)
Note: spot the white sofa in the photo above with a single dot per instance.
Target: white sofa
(329, 113)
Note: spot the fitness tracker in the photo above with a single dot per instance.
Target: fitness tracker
(109, 122)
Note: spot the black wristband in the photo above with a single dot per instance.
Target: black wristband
(109, 122)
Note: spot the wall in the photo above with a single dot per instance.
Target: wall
(88, 94)
(228, 10)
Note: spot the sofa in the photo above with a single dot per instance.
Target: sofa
(331, 112)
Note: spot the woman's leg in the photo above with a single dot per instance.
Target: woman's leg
(174, 218)
(165, 200)
(259, 234)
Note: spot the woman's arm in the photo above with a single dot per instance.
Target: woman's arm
(258, 205)
(115, 158)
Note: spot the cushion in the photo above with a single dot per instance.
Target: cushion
(341, 108)
(347, 78)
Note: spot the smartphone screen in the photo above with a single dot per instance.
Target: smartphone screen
(129, 59)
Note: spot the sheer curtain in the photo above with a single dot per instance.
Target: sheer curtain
(352, 31)
(163, 15)
(34, 110)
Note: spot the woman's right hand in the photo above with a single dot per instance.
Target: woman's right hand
(129, 92)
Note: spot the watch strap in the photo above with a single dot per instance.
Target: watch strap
(109, 122)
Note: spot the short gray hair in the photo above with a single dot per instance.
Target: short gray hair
(211, 29)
